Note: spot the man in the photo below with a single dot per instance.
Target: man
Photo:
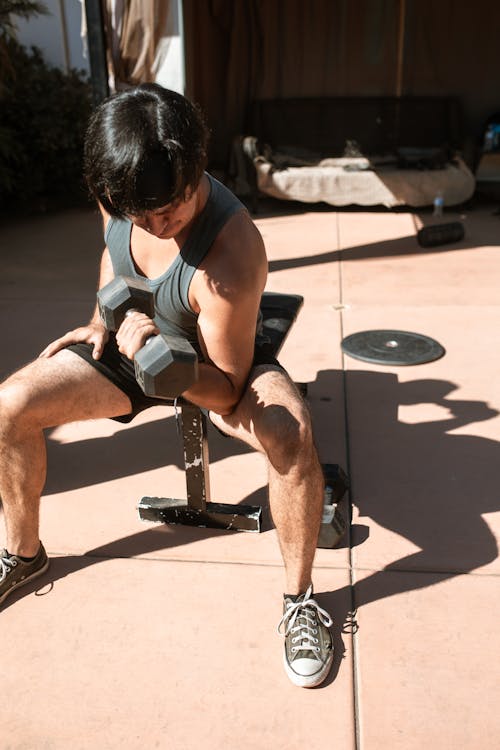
(168, 222)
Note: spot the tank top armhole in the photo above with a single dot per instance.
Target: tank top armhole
(193, 258)
(208, 229)
(185, 286)
(192, 255)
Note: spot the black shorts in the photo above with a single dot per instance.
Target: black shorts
(120, 371)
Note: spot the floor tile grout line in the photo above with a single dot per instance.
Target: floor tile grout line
(352, 568)
(277, 564)
(197, 561)
(355, 655)
(429, 571)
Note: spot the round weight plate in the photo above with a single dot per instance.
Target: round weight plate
(392, 347)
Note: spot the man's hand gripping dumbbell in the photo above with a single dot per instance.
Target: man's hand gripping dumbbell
(166, 366)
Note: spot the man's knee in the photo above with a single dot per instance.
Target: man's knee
(285, 433)
(16, 402)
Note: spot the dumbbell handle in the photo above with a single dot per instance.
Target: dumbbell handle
(169, 365)
(133, 310)
(149, 378)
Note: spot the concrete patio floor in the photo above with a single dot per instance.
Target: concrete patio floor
(146, 636)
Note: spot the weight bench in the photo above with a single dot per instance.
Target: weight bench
(279, 312)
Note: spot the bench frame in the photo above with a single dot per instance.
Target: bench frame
(279, 312)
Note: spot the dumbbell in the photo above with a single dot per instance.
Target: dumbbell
(166, 365)
(440, 234)
(335, 519)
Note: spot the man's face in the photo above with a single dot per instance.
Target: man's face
(167, 221)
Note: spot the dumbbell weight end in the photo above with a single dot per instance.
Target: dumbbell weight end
(122, 295)
(440, 234)
(166, 366)
(334, 521)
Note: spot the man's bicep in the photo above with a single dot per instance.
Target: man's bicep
(227, 335)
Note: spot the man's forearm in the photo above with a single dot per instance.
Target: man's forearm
(213, 390)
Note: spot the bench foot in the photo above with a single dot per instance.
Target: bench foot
(214, 516)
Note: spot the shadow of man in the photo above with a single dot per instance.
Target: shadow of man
(422, 481)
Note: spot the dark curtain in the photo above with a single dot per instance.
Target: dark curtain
(454, 48)
(241, 50)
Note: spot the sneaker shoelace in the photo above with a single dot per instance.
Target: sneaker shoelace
(301, 621)
(6, 564)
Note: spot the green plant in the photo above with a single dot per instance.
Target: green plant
(23, 8)
(9, 9)
(43, 116)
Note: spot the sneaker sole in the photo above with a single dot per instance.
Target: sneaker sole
(26, 580)
(308, 681)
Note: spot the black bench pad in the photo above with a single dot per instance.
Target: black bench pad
(279, 312)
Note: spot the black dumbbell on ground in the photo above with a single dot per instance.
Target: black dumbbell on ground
(440, 234)
(166, 365)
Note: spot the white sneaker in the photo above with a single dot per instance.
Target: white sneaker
(308, 647)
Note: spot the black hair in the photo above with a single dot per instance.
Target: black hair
(144, 147)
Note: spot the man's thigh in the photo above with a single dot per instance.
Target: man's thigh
(63, 388)
(270, 392)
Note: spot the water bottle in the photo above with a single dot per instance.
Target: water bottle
(438, 205)
(489, 139)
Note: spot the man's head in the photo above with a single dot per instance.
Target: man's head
(144, 148)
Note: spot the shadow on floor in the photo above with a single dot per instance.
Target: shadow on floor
(421, 481)
(399, 247)
(130, 451)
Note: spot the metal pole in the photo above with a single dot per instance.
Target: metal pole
(64, 34)
(96, 40)
(401, 47)
(180, 16)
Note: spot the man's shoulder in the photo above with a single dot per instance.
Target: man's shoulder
(237, 261)
(219, 191)
(240, 237)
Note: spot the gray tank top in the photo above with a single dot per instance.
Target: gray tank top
(174, 315)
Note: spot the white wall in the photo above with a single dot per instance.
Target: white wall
(169, 64)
